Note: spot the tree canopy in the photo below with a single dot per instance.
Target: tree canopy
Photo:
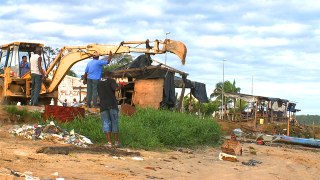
(228, 87)
(119, 60)
(308, 119)
(72, 73)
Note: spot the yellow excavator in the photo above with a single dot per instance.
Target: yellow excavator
(16, 87)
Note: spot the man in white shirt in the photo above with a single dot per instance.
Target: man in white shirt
(37, 75)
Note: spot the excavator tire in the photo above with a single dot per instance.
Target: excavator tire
(2, 99)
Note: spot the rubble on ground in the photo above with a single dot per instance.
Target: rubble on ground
(51, 132)
(251, 162)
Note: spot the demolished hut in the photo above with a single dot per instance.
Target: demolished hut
(148, 85)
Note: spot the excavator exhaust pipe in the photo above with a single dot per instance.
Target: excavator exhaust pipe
(177, 48)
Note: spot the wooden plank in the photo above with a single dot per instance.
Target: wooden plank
(148, 92)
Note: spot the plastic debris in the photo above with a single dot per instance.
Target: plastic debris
(55, 174)
(251, 162)
(136, 158)
(51, 132)
(116, 157)
(238, 132)
(27, 175)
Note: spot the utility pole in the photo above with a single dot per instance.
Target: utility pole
(165, 59)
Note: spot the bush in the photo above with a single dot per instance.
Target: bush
(154, 129)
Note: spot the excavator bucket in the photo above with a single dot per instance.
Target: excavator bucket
(177, 48)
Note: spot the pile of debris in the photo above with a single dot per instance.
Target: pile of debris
(51, 132)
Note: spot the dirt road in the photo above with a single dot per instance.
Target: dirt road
(277, 163)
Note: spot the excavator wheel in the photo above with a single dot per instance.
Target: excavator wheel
(2, 99)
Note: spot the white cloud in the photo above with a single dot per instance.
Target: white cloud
(299, 60)
(215, 27)
(212, 41)
(144, 8)
(101, 21)
(285, 29)
(224, 8)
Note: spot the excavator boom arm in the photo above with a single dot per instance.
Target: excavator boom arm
(69, 55)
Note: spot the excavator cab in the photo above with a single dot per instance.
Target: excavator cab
(11, 57)
(15, 84)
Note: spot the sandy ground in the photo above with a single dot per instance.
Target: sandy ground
(277, 162)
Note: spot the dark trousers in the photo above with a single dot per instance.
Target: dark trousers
(35, 89)
(92, 92)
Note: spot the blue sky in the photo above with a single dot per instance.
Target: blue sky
(273, 41)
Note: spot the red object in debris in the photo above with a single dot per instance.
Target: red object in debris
(260, 142)
(62, 113)
(233, 137)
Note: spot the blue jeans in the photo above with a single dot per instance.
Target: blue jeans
(92, 92)
(110, 120)
(35, 89)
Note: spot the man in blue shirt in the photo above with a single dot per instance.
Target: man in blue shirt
(24, 65)
(93, 74)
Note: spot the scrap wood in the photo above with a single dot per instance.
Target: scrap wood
(152, 168)
(227, 157)
(231, 147)
(16, 173)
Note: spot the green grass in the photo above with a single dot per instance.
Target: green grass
(24, 114)
(13, 110)
(153, 129)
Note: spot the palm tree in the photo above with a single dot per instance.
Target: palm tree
(227, 88)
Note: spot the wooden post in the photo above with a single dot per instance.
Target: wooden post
(268, 112)
(288, 129)
(234, 109)
(240, 110)
(224, 109)
(182, 96)
(285, 111)
(255, 114)
(272, 111)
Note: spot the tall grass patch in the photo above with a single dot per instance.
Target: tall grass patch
(153, 130)
(150, 129)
